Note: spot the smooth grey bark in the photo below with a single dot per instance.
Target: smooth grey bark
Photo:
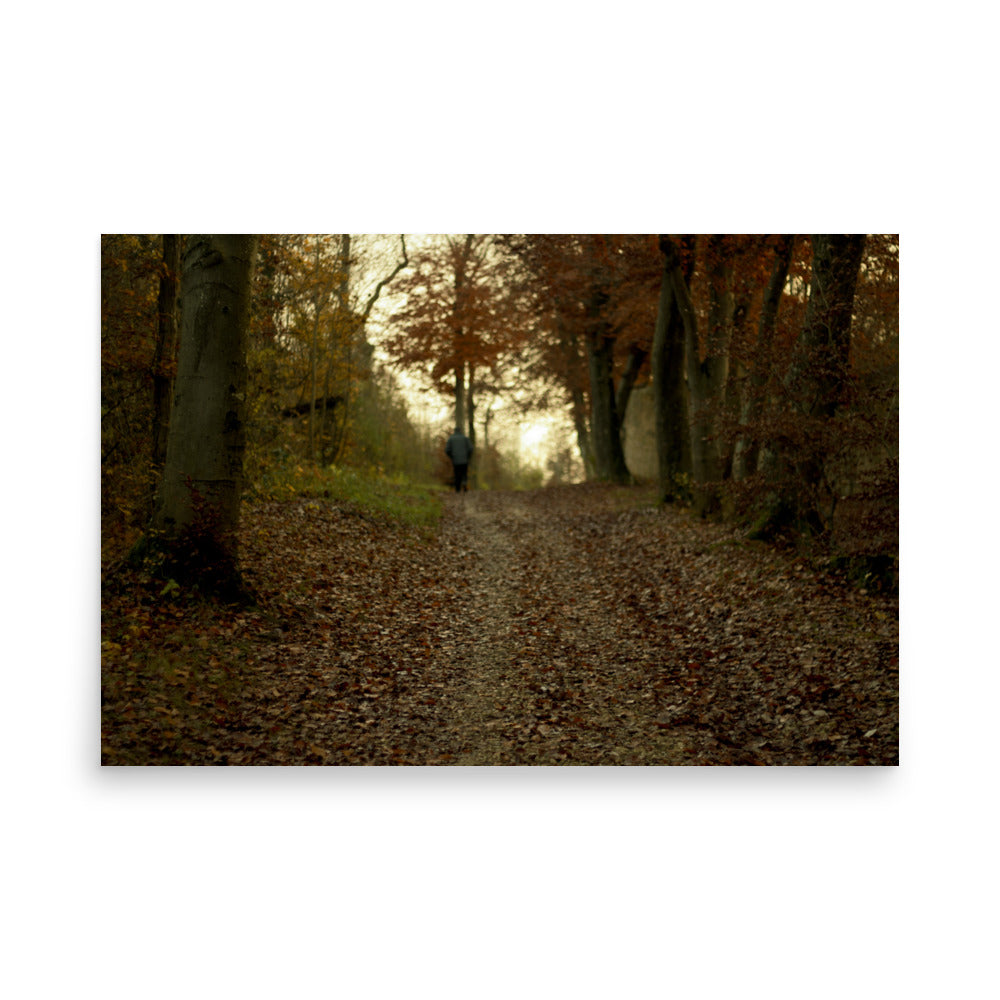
(736, 383)
(817, 380)
(569, 343)
(578, 404)
(636, 356)
(713, 373)
(745, 459)
(819, 370)
(199, 499)
(165, 357)
(605, 427)
(706, 379)
(670, 401)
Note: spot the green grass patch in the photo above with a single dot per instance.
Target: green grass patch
(372, 491)
(638, 496)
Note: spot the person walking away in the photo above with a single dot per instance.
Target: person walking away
(459, 450)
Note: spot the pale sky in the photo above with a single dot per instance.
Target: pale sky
(536, 438)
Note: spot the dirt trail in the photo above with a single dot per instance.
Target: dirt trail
(485, 698)
(589, 632)
(579, 625)
(538, 664)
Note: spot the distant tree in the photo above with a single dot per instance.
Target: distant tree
(309, 354)
(546, 268)
(456, 324)
(594, 305)
(131, 271)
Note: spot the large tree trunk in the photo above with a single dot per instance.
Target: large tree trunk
(199, 501)
(706, 379)
(570, 345)
(816, 384)
(605, 428)
(636, 356)
(736, 383)
(165, 358)
(819, 372)
(747, 448)
(714, 370)
(582, 428)
(673, 447)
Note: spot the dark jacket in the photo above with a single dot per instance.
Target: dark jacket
(459, 448)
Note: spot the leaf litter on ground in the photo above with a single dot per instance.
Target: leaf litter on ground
(569, 625)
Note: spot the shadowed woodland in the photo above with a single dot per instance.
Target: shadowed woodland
(288, 579)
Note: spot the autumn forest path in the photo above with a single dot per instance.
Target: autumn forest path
(575, 625)
(542, 651)
(590, 631)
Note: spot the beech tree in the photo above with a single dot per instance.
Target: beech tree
(165, 358)
(605, 424)
(706, 308)
(594, 306)
(546, 268)
(310, 360)
(670, 394)
(351, 318)
(131, 274)
(819, 376)
(805, 425)
(747, 448)
(820, 366)
(313, 343)
(199, 497)
(457, 324)
(601, 336)
(706, 377)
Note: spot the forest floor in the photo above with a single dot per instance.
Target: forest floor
(572, 625)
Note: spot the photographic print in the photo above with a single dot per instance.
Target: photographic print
(500, 500)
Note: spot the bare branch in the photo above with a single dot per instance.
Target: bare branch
(373, 298)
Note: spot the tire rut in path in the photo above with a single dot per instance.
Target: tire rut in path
(574, 626)
(487, 706)
(535, 644)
